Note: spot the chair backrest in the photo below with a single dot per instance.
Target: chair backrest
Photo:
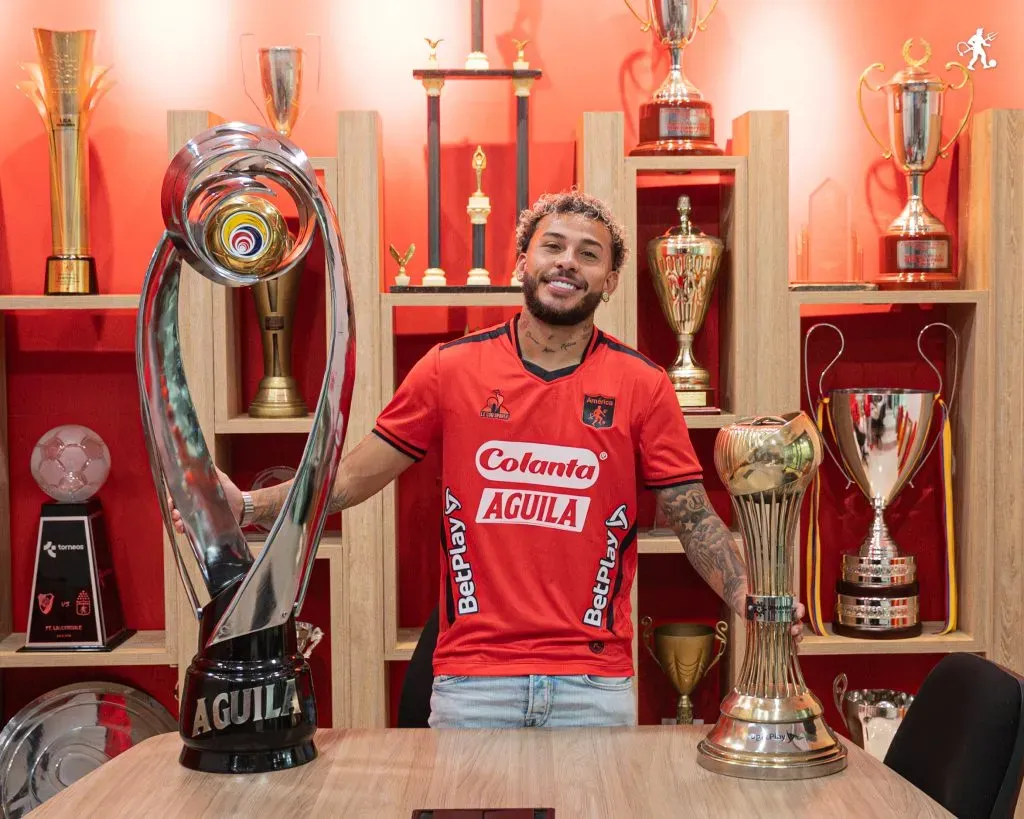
(414, 704)
(962, 739)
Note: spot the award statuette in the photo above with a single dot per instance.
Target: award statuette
(881, 434)
(479, 208)
(65, 88)
(684, 266)
(916, 248)
(871, 715)
(402, 277)
(771, 725)
(247, 704)
(678, 120)
(278, 395)
(75, 604)
(684, 652)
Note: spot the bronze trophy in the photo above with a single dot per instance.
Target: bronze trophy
(684, 653)
(278, 395)
(65, 88)
(684, 266)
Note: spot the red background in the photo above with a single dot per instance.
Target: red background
(804, 57)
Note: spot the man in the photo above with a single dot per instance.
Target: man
(544, 424)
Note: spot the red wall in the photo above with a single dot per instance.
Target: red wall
(797, 55)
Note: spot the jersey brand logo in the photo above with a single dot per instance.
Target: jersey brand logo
(598, 411)
(565, 512)
(494, 407)
(541, 464)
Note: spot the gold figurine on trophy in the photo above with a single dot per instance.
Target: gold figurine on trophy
(402, 278)
(65, 87)
(479, 208)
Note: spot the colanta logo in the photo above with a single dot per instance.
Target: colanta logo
(541, 464)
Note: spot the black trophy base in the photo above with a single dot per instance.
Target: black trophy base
(111, 644)
(71, 276)
(248, 704)
(876, 612)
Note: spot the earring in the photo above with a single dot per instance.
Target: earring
(605, 297)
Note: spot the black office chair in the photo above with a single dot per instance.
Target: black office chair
(414, 704)
(962, 739)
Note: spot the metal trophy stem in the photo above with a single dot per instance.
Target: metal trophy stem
(65, 87)
(771, 725)
(248, 703)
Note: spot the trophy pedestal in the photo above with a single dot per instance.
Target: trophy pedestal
(278, 397)
(697, 402)
(877, 597)
(917, 262)
(75, 605)
(70, 276)
(248, 704)
(683, 127)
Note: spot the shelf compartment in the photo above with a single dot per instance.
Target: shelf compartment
(930, 642)
(802, 297)
(243, 424)
(683, 164)
(142, 648)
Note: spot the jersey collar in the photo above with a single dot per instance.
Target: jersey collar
(512, 327)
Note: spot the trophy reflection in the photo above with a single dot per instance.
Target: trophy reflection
(917, 247)
(683, 651)
(278, 394)
(677, 120)
(65, 88)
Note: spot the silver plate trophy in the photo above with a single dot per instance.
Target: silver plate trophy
(248, 703)
(67, 733)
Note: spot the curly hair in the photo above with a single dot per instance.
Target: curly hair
(572, 201)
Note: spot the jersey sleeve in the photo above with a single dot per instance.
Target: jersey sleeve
(667, 457)
(412, 419)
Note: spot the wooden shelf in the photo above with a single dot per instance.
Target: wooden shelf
(648, 544)
(329, 548)
(479, 299)
(889, 296)
(930, 642)
(142, 648)
(683, 164)
(403, 648)
(245, 425)
(102, 302)
(700, 421)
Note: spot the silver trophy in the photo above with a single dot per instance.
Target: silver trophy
(871, 715)
(248, 703)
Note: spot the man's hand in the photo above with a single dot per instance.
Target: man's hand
(797, 629)
(231, 492)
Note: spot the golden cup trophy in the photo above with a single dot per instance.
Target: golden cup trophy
(684, 265)
(65, 87)
(684, 653)
(278, 395)
(678, 120)
(479, 208)
(771, 725)
(917, 250)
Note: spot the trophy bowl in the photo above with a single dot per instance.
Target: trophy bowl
(871, 715)
(685, 652)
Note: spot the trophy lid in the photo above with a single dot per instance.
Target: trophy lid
(914, 72)
(685, 235)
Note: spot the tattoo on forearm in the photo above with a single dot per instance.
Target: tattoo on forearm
(708, 543)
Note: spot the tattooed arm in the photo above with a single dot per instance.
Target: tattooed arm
(707, 541)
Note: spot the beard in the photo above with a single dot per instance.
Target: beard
(559, 317)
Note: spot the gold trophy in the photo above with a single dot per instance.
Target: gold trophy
(278, 395)
(402, 279)
(916, 248)
(684, 266)
(479, 208)
(771, 726)
(683, 651)
(65, 87)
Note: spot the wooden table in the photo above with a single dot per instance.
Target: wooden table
(581, 773)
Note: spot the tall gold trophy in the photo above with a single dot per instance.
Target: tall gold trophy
(684, 652)
(278, 396)
(771, 725)
(65, 87)
(684, 266)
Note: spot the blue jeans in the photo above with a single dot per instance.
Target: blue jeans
(535, 701)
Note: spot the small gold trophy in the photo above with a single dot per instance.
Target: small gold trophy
(684, 266)
(683, 651)
(479, 208)
(65, 87)
(402, 279)
(278, 395)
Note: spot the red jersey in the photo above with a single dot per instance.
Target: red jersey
(540, 473)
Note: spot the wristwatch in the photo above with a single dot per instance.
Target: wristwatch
(247, 509)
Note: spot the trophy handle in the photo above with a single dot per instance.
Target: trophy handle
(316, 89)
(839, 686)
(703, 24)
(970, 103)
(947, 408)
(645, 25)
(886, 151)
(245, 82)
(721, 631)
(647, 638)
(807, 386)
